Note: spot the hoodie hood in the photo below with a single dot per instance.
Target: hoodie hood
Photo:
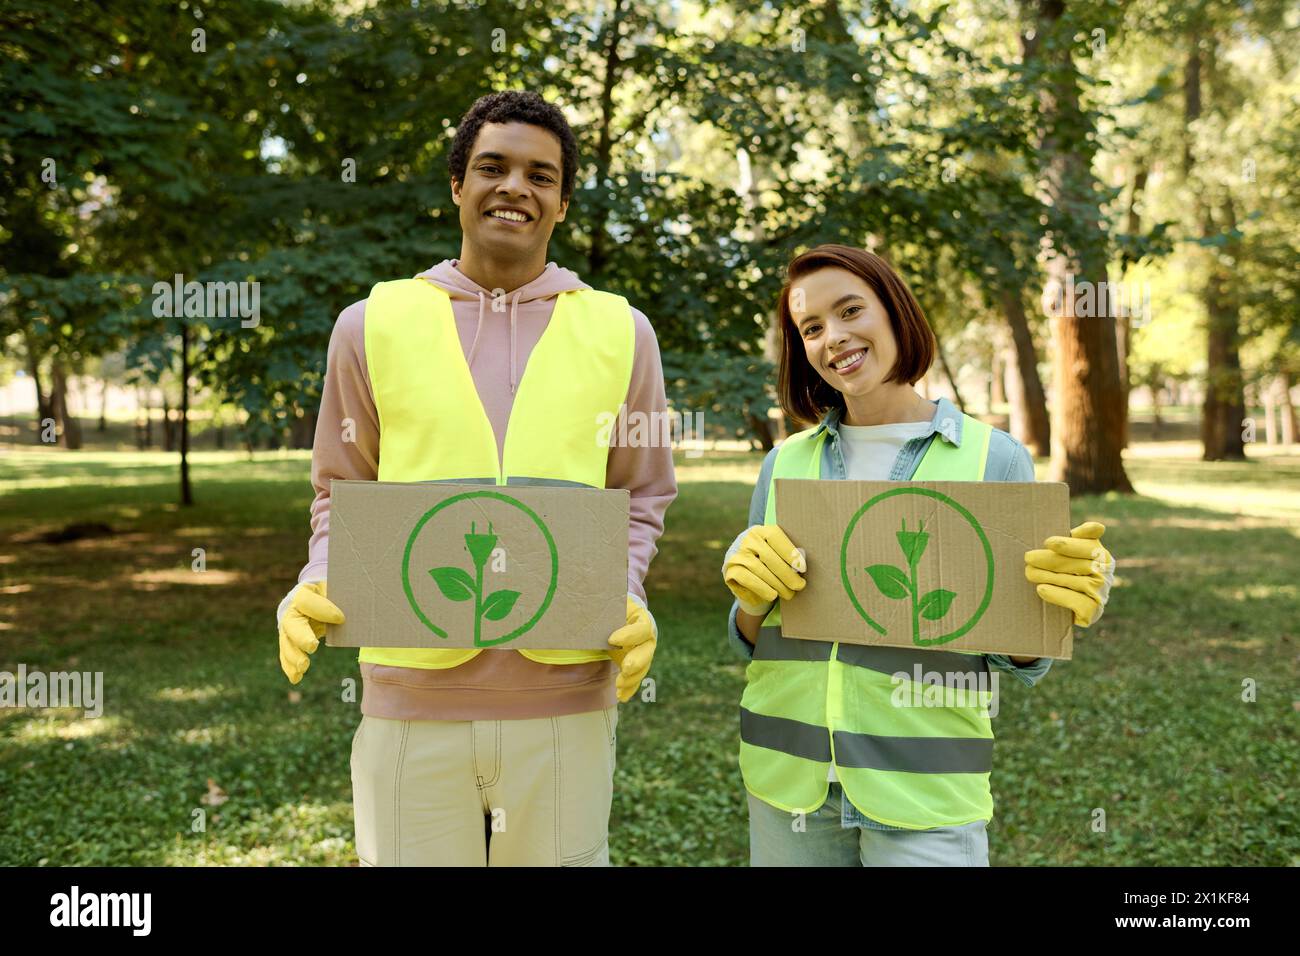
(456, 284)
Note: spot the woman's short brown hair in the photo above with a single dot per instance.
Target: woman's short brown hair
(804, 395)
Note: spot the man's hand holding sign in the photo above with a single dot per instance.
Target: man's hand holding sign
(464, 567)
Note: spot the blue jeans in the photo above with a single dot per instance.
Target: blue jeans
(836, 835)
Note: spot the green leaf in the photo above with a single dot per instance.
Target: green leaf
(935, 604)
(499, 604)
(892, 582)
(454, 583)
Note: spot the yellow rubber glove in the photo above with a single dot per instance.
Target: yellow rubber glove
(1074, 573)
(302, 617)
(634, 649)
(764, 566)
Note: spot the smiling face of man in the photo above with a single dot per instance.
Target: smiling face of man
(510, 198)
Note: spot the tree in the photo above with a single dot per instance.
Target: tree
(1087, 428)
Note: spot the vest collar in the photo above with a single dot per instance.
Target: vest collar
(947, 422)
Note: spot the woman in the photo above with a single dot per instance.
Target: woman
(836, 773)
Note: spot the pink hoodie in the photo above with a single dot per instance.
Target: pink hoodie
(497, 684)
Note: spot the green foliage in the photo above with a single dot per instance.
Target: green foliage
(305, 150)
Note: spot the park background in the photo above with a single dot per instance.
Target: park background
(995, 152)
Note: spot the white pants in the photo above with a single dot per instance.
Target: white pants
(484, 792)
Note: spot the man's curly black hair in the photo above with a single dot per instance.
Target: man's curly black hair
(514, 106)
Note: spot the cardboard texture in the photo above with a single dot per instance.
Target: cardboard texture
(937, 564)
(448, 565)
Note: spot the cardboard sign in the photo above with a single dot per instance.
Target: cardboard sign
(477, 566)
(937, 564)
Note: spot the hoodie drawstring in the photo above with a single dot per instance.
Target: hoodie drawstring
(448, 277)
(477, 329)
(513, 306)
(473, 349)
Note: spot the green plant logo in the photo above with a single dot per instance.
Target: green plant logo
(456, 584)
(898, 584)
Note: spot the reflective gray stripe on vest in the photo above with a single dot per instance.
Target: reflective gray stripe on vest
(914, 754)
(773, 647)
(793, 737)
(512, 480)
(547, 482)
(956, 670)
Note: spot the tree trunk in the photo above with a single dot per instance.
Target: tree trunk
(597, 253)
(997, 395)
(761, 429)
(69, 427)
(1224, 412)
(947, 371)
(1287, 409)
(1225, 408)
(1155, 412)
(1017, 420)
(168, 426)
(1123, 344)
(303, 431)
(1030, 423)
(187, 498)
(1270, 413)
(139, 421)
(44, 409)
(1124, 326)
(103, 407)
(1088, 423)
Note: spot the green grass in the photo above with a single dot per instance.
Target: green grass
(1146, 723)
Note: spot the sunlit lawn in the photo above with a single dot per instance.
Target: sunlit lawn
(1147, 723)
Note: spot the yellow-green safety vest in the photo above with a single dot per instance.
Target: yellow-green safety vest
(808, 704)
(433, 427)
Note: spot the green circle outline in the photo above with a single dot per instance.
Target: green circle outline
(970, 519)
(550, 544)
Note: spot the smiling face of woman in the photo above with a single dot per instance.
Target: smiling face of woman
(845, 331)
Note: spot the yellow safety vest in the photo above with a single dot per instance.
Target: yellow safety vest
(433, 427)
(808, 704)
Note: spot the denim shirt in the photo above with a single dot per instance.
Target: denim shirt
(1008, 460)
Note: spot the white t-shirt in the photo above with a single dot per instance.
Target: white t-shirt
(869, 455)
(870, 450)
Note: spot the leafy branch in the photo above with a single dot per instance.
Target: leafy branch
(456, 584)
(894, 583)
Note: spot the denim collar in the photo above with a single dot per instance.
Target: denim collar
(946, 422)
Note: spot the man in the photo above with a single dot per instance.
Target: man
(494, 757)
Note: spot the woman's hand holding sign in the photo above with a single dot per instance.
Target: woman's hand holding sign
(764, 566)
(1074, 572)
